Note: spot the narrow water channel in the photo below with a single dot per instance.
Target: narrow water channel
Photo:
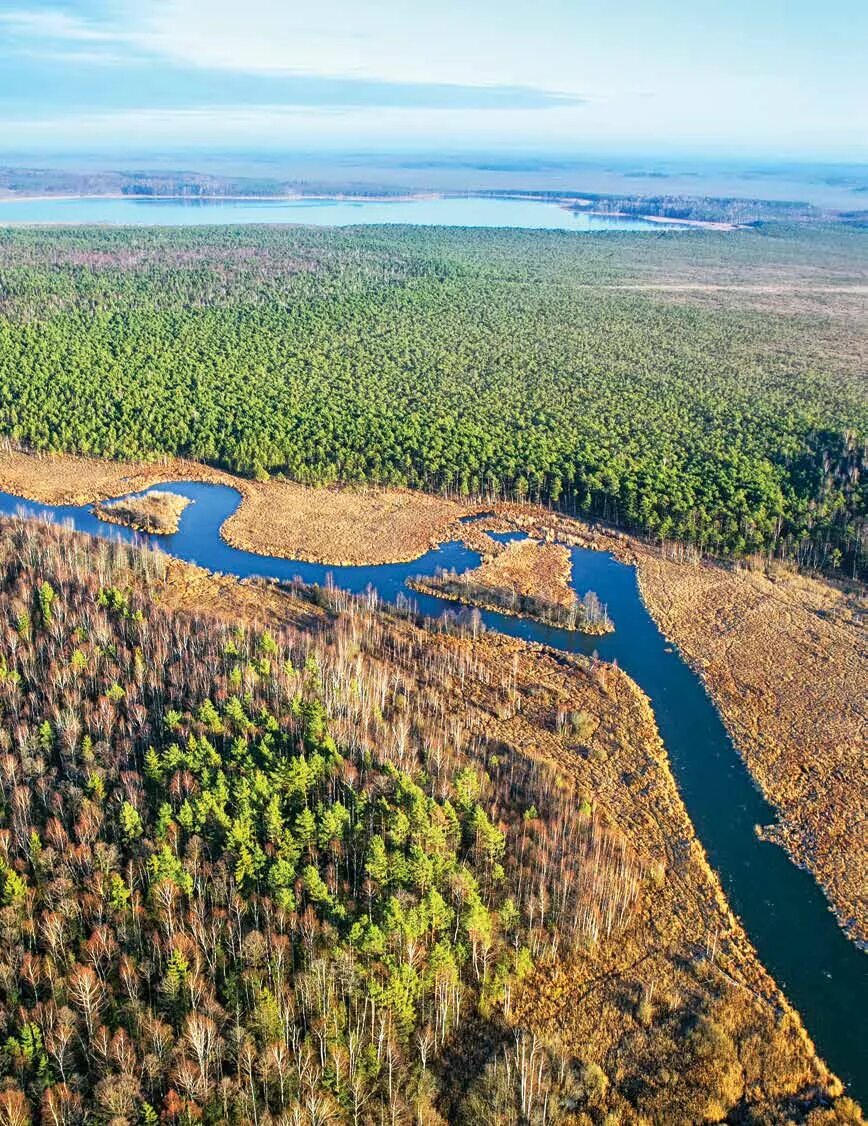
(783, 910)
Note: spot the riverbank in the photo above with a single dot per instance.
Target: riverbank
(339, 526)
(782, 657)
(822, 970)
(625, 1004)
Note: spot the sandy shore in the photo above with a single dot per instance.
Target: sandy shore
(703, 224)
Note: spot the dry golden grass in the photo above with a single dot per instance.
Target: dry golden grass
(341, 526)
(627, 1003)
(785, 661)
(158, 512)
(191, 589)
(336, 526)
(509, 574)
(531, 568)
(66, 479)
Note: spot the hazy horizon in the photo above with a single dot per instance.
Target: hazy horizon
(836, 185)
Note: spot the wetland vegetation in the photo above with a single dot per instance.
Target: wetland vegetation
(157, 512)
(268, 853)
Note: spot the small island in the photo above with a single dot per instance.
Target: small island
(158, 513)
(526, 579)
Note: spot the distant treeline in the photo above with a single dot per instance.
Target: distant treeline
(477, 363)
(698, 208)
(200, 185)
(710, 208)
(53, 181)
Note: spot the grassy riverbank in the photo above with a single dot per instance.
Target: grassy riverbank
(618, 969)
(781, 656)
(336, 525)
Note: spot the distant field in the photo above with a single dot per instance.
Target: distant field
(697, 385)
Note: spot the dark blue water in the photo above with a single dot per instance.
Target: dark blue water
(781, 906)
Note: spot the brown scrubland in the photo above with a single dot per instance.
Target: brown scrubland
(67, 479)
(341, 526)
(529, 568)
(678, 1003)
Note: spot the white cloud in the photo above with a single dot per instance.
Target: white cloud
(96, 56)
(55, 24)
(283, 125)
(691, 80)
(451, 42)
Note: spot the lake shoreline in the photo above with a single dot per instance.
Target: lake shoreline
(582, 217)
(208, 199)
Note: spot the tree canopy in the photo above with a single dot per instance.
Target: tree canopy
(474, 362)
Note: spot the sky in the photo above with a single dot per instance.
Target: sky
(779, 78)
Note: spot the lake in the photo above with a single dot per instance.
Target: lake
(781, 907)
(435, 211)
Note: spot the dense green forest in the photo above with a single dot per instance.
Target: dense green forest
(477, 362)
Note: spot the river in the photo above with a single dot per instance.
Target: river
(781, 907)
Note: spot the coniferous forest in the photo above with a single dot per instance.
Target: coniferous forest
(525, 364)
